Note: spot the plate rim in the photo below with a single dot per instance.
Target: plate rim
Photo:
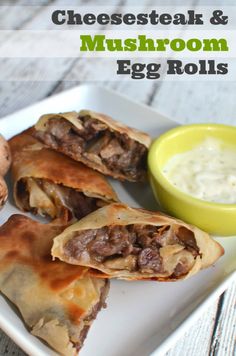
(175, 335)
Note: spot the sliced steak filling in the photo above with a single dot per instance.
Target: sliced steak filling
(48, 199)
(136, 248)
(97, 143)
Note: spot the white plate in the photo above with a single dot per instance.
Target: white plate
(142, 318)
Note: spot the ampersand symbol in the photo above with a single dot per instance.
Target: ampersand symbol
(218, 19)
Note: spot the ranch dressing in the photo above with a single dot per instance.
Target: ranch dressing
(207, 172)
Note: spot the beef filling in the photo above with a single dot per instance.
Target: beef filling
(132, 247)
(98, 144)
(61, 198)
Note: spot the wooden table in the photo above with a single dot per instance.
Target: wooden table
(186, 102)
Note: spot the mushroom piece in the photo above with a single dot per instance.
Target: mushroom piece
(5, 156)
(3, 192)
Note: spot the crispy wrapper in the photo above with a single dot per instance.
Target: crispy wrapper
(132, 244)
(108, 141)
(57, 301)
(48, 182)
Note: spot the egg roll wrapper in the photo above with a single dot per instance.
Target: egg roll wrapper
(133, 244)
(57, 301)
(35, 166)
(111, 147)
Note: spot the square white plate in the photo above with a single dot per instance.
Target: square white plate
(142, 318)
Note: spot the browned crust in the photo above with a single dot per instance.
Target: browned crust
(121, 214)
(92, 316)
(33, 159)
(44, 290)
(136, 135)
(113, 125)
(133, 133)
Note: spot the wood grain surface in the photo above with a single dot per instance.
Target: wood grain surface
(215, 332)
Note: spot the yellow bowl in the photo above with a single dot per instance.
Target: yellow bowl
(215, 218)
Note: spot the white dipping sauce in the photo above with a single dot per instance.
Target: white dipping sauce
(207, 172)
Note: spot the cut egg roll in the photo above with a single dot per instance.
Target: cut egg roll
(97, 141)
(57, 301)
(48, 183)
(130, 243)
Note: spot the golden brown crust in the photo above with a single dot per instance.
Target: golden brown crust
(54, 298)
(72, 116)
(133, 133)
(113, 125)
(31, 159)
(120, 214)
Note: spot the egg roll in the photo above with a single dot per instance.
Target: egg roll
(47, 182)
(97, 141)
(57, 301)
(130, 243)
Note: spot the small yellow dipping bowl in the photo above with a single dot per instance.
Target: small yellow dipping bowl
(215, 218)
